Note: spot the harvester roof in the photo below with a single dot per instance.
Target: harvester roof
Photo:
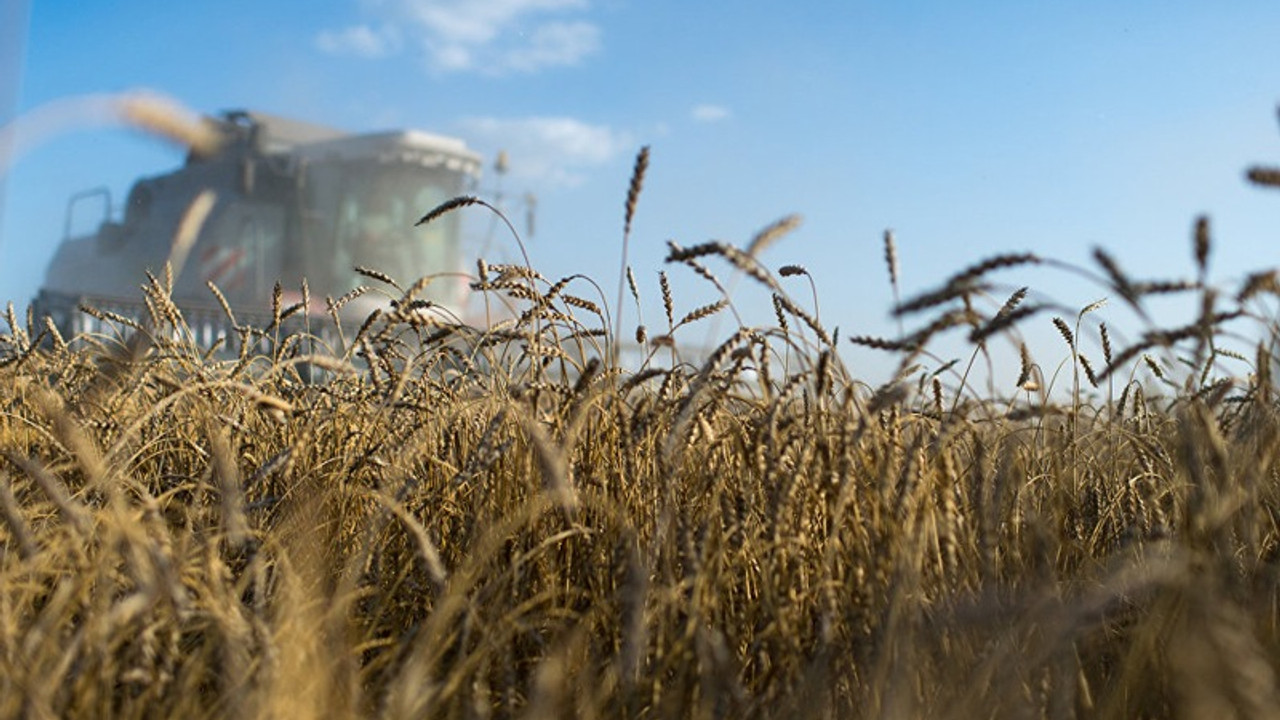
(397, 146)
(319, 143)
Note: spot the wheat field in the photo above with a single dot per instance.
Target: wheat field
(424, 520)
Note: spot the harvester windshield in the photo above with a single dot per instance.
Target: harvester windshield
(374, 226)
(364, 195)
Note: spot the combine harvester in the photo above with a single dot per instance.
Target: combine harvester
(292, 200)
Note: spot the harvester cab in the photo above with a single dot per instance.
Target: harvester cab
(292, 201)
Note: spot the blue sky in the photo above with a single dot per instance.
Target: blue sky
(970, 128)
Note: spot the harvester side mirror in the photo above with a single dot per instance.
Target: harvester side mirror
(100, 193)
(530, 212)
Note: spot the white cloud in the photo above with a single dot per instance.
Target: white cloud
(710, 113)
(359, 40)
(554, 44)
(557, 151)
(487, 36)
